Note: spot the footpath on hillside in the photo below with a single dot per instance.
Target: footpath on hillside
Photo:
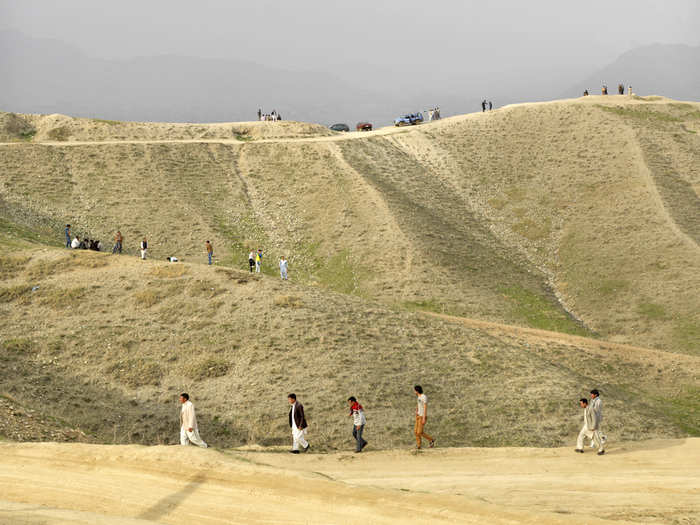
(49, 483)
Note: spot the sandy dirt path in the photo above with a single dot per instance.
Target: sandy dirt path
(49, 483)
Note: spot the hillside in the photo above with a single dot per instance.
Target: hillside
(578, 216)
(545, 235)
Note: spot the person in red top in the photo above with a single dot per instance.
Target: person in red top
(358, 423)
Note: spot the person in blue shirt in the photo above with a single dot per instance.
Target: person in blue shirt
(67, 231)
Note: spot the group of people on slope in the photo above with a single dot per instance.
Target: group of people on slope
(255, 260)
(76, 243)
(96, 245)
(189, 432)
(486, 105)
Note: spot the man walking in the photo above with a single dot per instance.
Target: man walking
(118, 240)
(589, 423)
(297, 422)
(597, 409)
(67, 232)
(258, 261)
(251, 260)
(358, 423)
(283, 268)
(210, 251)
(189, 433)
(144, 248)
(421, 417)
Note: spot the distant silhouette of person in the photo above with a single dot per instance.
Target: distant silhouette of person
(490, 105)
(604, 91)
(585, 93)
(259, 114)
(483, 106)
(620, 89)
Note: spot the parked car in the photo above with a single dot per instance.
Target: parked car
(363, 126)
(340, 127)
(409, 120)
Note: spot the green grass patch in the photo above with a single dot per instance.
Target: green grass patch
(612, 286)
(340, 274)
(18, 346)
(59, 134)
(652, 311)
(429, 305)
(646, 114)
(684, 409)
(686, 335)
(532, 230)
(108, 122)
(539, 312)
(15, 236)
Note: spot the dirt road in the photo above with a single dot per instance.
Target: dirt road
(48, 483)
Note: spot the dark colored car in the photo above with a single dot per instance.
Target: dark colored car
(363, 126)
(340, 127)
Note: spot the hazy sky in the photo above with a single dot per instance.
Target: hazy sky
(323, 34)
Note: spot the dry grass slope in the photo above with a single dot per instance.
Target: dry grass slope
(573, 216)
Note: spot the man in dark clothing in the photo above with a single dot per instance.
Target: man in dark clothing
(67, 231)
(490, 105)
(483, 106)
(297, 422)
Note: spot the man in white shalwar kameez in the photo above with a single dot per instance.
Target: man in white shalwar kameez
(297, 422)
(589, 424)
(189, 433)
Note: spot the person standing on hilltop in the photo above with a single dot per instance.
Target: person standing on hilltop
(210, 251)
(357, 414)
(297, 421)
(421, 417)
(189, 433)
(259, 114)
(144, 248)
(251, 260)
(67, 232)
(283, 268)
(118, 240)
(483, 106)
(620, 89)
(490, 105)
(258, 261)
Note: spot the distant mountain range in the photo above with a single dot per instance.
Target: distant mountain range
(48, 76)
